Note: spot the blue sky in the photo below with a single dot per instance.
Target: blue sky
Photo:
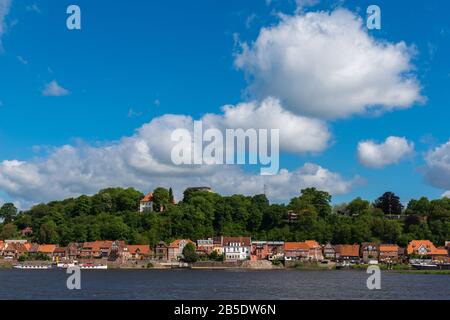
(136, 61)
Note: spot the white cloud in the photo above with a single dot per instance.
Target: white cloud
(374, 155)
(437, 171)
(5, 5)
(53, 89)
(143, 161)
(297, 134)
(446, 195)
(302, 4)
(327, 65)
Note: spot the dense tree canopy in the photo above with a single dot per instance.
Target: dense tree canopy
(113, 214)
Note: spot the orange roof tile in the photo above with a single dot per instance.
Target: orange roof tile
(97, 245)
(295, 246)
(148, 197)
(312, 244)
(439, 252)
(47, 248)
(143, 249)
(416, 244)
(388, 248)
(348, 250)
(176, 243)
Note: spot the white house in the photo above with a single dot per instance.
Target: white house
(237, 248)
(146, 204)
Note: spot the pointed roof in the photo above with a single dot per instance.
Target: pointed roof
(148, 198)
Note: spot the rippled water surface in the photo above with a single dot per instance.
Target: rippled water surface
(220, 284)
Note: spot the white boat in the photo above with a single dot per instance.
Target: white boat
(88, 266)
(65, 265)
(29, 267)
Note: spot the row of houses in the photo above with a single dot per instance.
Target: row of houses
(232, 249)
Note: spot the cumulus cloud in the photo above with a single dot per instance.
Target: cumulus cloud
(53, 89)
(446, 195)
(437, 170)
(374, 155)
(297, 134)
(5, 5)
(143, 161)
(327, 65)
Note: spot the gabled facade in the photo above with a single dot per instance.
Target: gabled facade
(205, 246)
(237, 248)
(420, 247)
(161, 251)
(329, 252)
(369, 251)
(137, 252)
(389, 253)
(296, 251)
(146, 204)
(347, 252)
(175, 250)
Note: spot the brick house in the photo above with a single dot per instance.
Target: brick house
(296, 251)
(60, 254)
(96, 249)
(161, 251)
(369, 251)
(389, 253)
(440, 255)
(138, 252)
(260, 250)
(349, 252)
(205, 246)
(175, 249)
(315, 250)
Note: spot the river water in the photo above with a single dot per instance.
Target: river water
(219, 284)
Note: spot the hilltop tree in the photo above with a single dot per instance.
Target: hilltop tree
(8, 212)
(161, 199)
(313, 201)
(389, 203)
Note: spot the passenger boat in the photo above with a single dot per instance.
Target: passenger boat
(30, 267)
(425, 266)
(66, 265)
(90, 266)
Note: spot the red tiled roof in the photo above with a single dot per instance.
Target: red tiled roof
(312, 244)
(176, 243)
(389, 248)
(148, 197)
(97, 245)
(143, 249)
(47, 248)
(416, 244)
(439, 252)
(348, 250)
(295, 246)
(244, 241)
